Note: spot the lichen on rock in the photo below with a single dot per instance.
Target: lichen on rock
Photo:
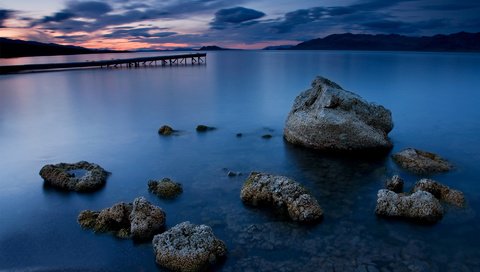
(165, 188)
(421, 162)
(188, 247)
(62, 176)
(281, 193)
(140, 220)
(440, 191)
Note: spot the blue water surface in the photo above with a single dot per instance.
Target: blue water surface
(111, 117)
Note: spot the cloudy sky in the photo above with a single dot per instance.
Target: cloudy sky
(159, 24)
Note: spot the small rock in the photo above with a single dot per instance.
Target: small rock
(420, 206)
(165, 130)
(62, 177)
(441, 192)
(394, 184)
(165, 188)
(421, 162)
(140, 220)
(203, 128)
(239, 135)
(188, 247)
(232, 174)
(267, 136)
(282, 193)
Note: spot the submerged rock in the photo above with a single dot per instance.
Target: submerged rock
(165, 188)
(420, 206)
(239, 135)
(394, 184)
(188, 247)
(421, 162)
(140, 220)
(267, 136)
(327, 117)
(89, 176)
(441, 192)
(282, 193)
(165, 130)
(203, 128)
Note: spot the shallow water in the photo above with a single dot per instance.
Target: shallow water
(111, 117)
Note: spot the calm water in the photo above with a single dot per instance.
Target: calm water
(111, 117)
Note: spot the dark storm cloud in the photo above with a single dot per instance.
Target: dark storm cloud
(58, 17)
(89, 9)
(5, 14)
(233, 16)
(145, 32)
(299, 17)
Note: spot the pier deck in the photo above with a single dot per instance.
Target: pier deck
(197, 58)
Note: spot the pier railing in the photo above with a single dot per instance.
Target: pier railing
(196, 58)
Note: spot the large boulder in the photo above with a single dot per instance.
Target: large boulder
(140, 220)
(441, 192)
(420, 206)
(281, 193)
(421, 162)
(81, 176)
(329, 118)
(188, 247)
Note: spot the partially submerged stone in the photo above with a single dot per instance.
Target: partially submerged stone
(329, 118)
(421, 162)
(188, 247)
(441, 192)
(165, 130)
(81, 176)
(267, 136)
(165, 188)
(140, 220)
(204, 128)
(420, 206)
(281, 193)
(394, 184)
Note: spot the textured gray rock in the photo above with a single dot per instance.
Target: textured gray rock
(441, 192)
(63, 176)
(140, 220)
(329, 118)
(281, 193)
(146, 219)
(165, 188)
(421, 162)
(420, 206)
(394, 184)
(188, 247)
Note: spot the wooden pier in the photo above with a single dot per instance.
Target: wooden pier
(197, 58)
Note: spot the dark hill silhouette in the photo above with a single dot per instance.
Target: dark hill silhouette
(458, 42)
(17, 48)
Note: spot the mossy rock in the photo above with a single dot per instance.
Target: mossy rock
(165, 188)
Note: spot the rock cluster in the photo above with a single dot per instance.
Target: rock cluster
(441, 192)
(165, 188)
(63, 176)
(140, 220)
(420, 206)
(188, 247)
(281, 193)
(327, 117)
(421, 162)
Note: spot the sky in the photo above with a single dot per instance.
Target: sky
(246, 24)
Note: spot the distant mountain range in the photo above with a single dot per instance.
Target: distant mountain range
(17, 48)
(458, 42)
